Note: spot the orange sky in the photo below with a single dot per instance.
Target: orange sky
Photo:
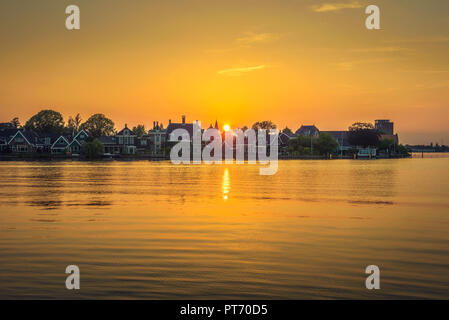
(291, 62)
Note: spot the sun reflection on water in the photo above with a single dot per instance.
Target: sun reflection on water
(226, 184)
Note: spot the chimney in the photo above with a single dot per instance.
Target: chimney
(126, 125)
(169, 121)
(154, 124)
(157, 124)
(183, 119)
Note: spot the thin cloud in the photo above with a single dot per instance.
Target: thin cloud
(380, 49)
(328, 7)
(240, 71)
(350, 65)
(252, 38)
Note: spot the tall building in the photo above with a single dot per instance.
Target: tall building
(385, 126)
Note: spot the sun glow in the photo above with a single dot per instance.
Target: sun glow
(226, 127)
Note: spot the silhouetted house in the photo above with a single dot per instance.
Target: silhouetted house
(183, 125)
(110, 144)
(126, 139)
(23, 142)
(5, 136)
(384, 126)
(157, 138)
(76, 142)
(283, 141)
(143, 144)
(308, 131)
(60, 145)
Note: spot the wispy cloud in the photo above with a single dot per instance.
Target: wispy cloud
(337, 6)
(252, 38)
(240, 71)
(350, 65)
(387, 49)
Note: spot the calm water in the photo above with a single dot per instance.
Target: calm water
(156, 230)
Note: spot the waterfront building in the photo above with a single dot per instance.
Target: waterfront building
(308, 131)
(126, 139)
(183, 125)
(384, 126)
(157, 138)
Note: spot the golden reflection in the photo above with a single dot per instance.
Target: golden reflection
(226, 184)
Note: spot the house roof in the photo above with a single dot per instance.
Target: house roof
(124, 130)
(307, 130)
(30, 136)
(284, 138)
(173, 126)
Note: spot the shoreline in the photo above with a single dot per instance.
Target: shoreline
(48, 157)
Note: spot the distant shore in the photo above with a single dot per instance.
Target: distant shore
(55, 157)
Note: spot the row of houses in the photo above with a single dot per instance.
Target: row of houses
(152, 142)
(19, 140)
(384, 127)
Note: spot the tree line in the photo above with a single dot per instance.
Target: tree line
(51, 121)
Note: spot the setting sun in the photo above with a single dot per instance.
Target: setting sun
(226, 127)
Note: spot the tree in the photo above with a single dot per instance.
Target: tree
(15, 122)
(363, 134)
(74, 123)
(267, 125)
(301, 145)
(92, 149)
(325, 143)
(46, 121)
(98, 125)
(287, 131)
(139, 130)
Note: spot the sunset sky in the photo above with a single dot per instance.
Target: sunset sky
(293, 62)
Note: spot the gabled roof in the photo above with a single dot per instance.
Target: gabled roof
(72, 141)
(56, 141)
(122, 132)
(29, 136)
(82, 130)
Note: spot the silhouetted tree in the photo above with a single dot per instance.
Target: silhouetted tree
(15, 122)
(46, 121)
(325, 143)
(139, 130)
(363, 134)
(92, 149)
(98, 125)
(74, 123)
(287, 131)
(267, 125)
